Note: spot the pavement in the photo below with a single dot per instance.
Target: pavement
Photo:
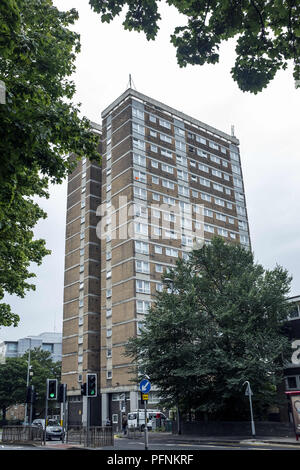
(194, 439)
(188, 439)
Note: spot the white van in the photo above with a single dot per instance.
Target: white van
(136, 419)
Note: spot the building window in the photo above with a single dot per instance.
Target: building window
(181, 160)
(164, 123)
(179, 131)
(137, 113)
(221, 217)
(203, 168)
(168, 184)
(141, 229)
(291, 382)
(139, 176)
(209, 228)
(108, 312)
(166, 153)
(143, 286)
(140, 192)
(109, 375)
(139, 160)
(184, 190)
(108, 293)
(142, 306)
(215, 159)
(209, 213)
(172, 252)
(167, 168)
(219, 202)
(141, 247)
(108, 333)
(223, 232)
(158, 268)
(165, 138)
(138, 143)
(218, 187)
(169, 217)
(204, 182)
(295, 313)
(216, 173)
(142, 267)
(205, 197)
(200, 139)
(182, 175)
(169, 200)
(47, 347)
(109, 353)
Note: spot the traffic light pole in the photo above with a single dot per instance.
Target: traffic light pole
(46, 414)
(88, 420)
(31, 404)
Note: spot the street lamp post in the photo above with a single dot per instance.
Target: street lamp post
(27, 381)
(171, 283)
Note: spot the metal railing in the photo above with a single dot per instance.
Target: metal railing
(22, 434)
(96, 436)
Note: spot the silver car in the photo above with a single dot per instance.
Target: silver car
(53, 429)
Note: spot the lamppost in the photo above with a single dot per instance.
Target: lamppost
(249, 393)
(171, 283)
(27, 381)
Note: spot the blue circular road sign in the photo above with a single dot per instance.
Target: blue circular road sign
(145, 386)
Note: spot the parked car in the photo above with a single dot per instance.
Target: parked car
(53, 429)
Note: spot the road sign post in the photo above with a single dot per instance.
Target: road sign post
(145, 387)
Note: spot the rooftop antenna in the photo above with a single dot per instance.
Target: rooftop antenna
(131, 84)
(232, 131)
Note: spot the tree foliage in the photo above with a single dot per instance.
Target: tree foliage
(13, 377)
(267, 33)
(39, 128)
(219, 323)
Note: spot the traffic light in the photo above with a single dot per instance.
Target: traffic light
(91, 380)
(83, 389)
(52, 389)
(62, 392)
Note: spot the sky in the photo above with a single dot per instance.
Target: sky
(267, 125)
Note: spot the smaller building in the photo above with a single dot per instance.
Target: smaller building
(292, 370)
(48, 341)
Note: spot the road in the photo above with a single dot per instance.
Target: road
(128, 444)
(123, 444)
